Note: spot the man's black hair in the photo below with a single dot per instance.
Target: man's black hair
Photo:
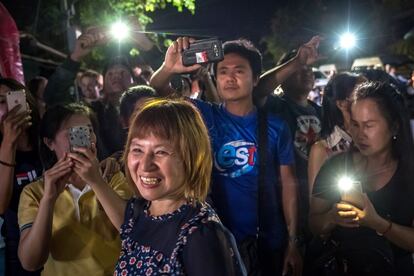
(130, 97)
(119, 60)
(247, 50)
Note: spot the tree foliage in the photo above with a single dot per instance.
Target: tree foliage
(49, 25)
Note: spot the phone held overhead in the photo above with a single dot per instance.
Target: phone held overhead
(203, 51)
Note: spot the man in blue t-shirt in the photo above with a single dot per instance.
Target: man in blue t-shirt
(232, 127)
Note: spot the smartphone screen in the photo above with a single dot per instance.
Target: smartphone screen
(354, 195)
(15, 98)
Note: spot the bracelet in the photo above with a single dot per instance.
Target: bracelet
(386, 230)
(295, 240)
(7, 164)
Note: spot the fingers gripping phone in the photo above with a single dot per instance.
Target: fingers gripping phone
(354, 195)
(202, 52)
(80, 137)
(15, 98)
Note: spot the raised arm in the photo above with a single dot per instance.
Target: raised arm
(36, 218)
(14, 125)
(87, 167)
(57, 89)
(270, 80)
(210, 93)
(172, 64)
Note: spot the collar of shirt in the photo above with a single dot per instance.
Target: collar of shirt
(76, 195)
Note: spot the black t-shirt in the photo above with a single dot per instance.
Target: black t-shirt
(28, 169)
(393, 201)
(305, 126)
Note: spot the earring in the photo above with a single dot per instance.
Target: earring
(394, 137)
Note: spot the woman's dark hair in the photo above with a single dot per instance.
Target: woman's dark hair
(33, 129)
(339, 88)
(382, 76)
(51, 123)
(392, 106)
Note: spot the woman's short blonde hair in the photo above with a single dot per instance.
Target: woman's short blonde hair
(178, 121)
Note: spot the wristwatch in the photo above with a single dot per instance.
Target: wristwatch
(295, 240)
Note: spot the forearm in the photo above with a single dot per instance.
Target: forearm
(160, 81)
(7, 155)
(34, 245)
(401, 236)
(57, 88)
(112, 203)
(272, 78)
(211, 94)
(290, 208)
(321, 223)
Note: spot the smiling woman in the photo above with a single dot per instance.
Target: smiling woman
(169, 228)
(168, 156)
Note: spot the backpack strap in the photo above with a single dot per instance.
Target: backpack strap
(262, 137)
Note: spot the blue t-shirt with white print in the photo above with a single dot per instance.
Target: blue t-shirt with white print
(235, 171)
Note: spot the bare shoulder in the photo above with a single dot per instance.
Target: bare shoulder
(318, 148)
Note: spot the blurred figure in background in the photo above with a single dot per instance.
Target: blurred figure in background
(336, 121)
(37, 87)
(90, 86)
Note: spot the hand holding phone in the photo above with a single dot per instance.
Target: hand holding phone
(202, 52)
(80, 137)
(15, 98)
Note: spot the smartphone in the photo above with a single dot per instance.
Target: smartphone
(203, 51)
(16, 97)
(79, 136)
(326, 47)
(354, 195)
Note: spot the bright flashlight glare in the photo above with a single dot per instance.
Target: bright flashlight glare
(119, 30)
(345, 183)
(347, 41)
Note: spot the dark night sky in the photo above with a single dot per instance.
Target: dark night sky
(228, 19)
(231, 19)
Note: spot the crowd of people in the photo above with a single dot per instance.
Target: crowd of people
(215, 176)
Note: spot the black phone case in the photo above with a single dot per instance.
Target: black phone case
(202, 52)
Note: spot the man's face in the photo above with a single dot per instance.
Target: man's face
(235, 79)
(117, 79)
(300, 82)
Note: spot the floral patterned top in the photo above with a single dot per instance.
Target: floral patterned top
(188, 241)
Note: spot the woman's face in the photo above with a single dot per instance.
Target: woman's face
(60, 145)
(369, 128)
(156, 168)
